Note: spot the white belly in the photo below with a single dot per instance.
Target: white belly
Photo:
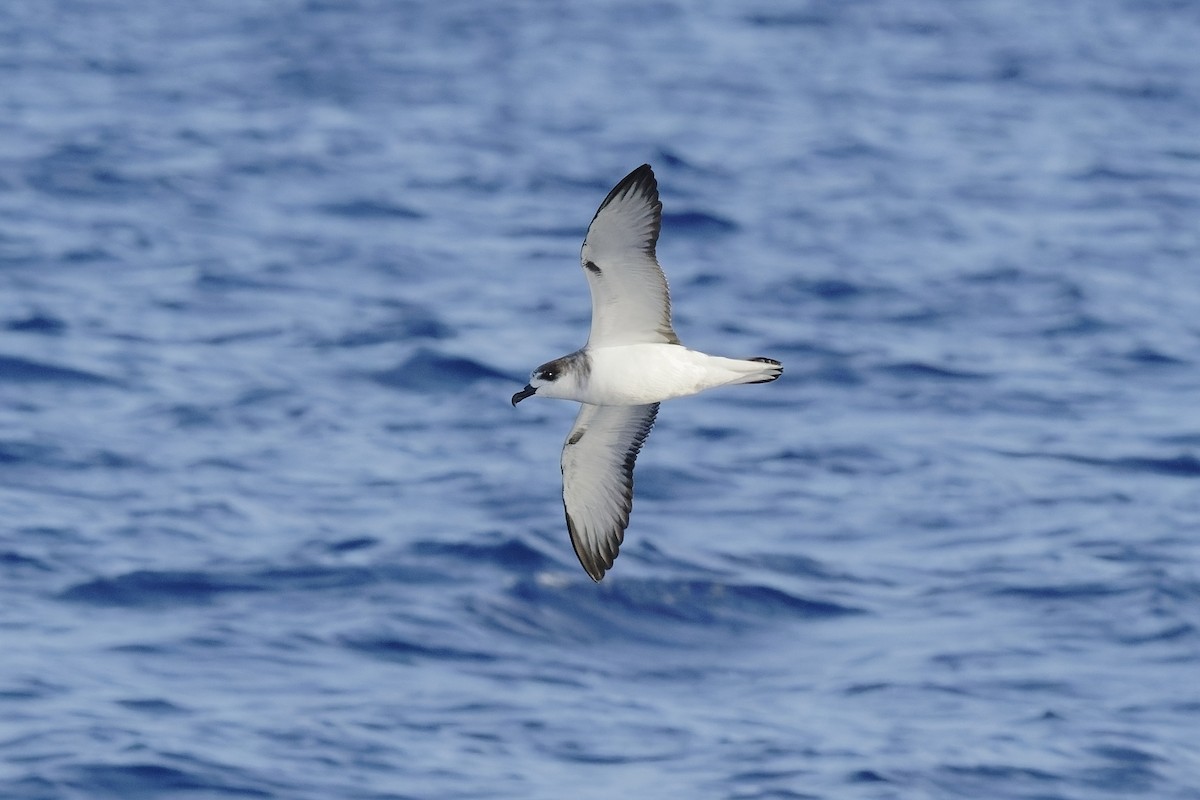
(636, 374)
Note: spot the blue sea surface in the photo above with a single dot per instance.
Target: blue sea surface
(270, 528)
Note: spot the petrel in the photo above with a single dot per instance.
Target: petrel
(632, 362)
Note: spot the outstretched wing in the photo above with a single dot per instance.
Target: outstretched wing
(597, 467)
(630, 301)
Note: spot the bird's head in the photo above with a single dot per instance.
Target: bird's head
(559, 379)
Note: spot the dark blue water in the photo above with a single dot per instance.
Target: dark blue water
(269, 527)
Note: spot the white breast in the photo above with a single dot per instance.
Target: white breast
(637, 374)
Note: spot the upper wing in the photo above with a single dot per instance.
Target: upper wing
(597, 467)
(630, 302)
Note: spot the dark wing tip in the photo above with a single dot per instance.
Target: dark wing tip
(641, 181)
(641, 184)
(595, 564)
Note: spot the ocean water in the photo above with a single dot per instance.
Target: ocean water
(269, 527)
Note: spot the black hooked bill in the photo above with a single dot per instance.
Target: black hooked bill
(528, 391)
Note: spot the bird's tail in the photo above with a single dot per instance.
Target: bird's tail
(752, 370)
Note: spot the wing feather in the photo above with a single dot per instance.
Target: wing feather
(630, 300)
(597, 467)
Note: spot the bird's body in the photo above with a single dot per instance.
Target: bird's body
(632, 362)
(637, 374)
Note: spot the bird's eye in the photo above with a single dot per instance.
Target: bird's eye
(550, 374)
